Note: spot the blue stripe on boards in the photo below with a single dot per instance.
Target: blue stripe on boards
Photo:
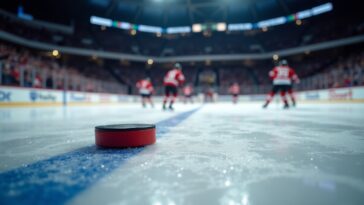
(58, 179)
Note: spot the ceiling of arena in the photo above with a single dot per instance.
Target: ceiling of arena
(187, 12)
(161, 12)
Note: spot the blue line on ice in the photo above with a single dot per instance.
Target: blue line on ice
(58, 179)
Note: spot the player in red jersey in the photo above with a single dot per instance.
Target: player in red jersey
(145, 90)
(187, 92)
(234, 90)
(172, 80)
(282, 76)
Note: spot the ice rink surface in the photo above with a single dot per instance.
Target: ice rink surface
(211, 154)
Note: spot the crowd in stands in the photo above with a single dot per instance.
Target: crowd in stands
(345, 72)
(22, 67)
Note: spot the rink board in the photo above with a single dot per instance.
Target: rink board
(16, 96)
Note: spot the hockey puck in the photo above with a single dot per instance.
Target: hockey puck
(125, 135)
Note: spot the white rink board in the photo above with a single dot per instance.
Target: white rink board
(342, 94)
(355, 93)
(33, 96)
(84, 97)
(29, 95)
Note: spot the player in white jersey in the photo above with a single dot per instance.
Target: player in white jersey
(145, 90)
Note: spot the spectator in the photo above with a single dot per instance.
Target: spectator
(49, 82)
(37, 81)
(7, 78)
(16, 76)
(27, 79)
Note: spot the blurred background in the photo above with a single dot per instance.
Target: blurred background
(108, 45)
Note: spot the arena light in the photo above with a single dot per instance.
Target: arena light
(116, 24)
(150, 61)
(181, 29)
(126, 25)
(275, 57)
(304, 14)
(150, 29)
(272, 22)
(101, 21)
(291, 18)
(240, 26)
(133, 32)
(322, 9)
(196, 28)
(221, 26)
(298, 22)
(55, 53)
(122, 25)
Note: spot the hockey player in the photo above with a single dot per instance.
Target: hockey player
(187, 92)
(145, 90)
(282, 76)
(173, 79)
(234, 90)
